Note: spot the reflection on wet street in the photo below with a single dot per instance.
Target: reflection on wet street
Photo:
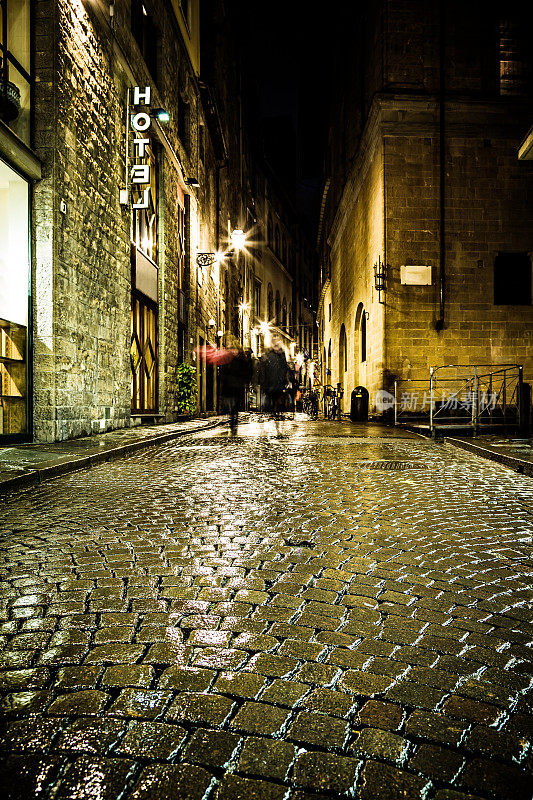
(303, 610)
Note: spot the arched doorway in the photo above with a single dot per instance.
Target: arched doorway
(360, 323)
(343, 358)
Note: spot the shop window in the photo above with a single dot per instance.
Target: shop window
(14, 301)
(144, 313)
(144, 354)
(15, 67)
(278, 308)
(512, 279)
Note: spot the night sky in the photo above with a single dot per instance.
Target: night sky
(288, 58)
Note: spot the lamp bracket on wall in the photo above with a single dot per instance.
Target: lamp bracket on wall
(380, 277)
(205, 259)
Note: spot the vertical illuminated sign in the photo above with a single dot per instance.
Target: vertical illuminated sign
(140, 123)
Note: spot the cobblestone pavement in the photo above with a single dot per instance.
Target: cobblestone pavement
(262, 618)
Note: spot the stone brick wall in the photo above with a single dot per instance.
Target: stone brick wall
(85, 63)
(388, 168)
(488, 209)
(356, 242)
(82, 265)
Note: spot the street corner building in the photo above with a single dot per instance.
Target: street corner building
(426, 229)
(109, 154)
(124, 175)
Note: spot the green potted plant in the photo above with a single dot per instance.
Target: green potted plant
(186, 390)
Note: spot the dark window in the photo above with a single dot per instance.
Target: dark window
(516, 76)
(363, 336)
(201, 143)
(270, 303)
(278, 308)
(257, 299)
(343, 352)
(183, 123)
(145, 34)
(512, 279)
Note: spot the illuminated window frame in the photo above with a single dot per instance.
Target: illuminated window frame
(11, 69)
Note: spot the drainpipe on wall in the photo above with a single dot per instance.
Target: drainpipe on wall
(440, 322)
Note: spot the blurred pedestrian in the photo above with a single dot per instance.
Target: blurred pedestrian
(292, 387)
(235, 374)
(273, 376)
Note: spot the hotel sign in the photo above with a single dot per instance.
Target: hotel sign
(140, 124)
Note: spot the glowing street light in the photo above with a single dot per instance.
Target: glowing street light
(238, 239)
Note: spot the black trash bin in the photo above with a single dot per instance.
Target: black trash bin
(359, 404)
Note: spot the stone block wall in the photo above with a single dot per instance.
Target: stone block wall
(85, 63)
(488, 209)
(82, 274)
(407, 51)
(356, 243)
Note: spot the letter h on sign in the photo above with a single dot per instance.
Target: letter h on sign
(140, 122)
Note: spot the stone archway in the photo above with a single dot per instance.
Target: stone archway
(359, 316)
(343, 359)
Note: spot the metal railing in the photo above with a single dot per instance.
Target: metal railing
(462, 395)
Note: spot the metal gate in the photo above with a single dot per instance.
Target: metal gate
(478, 396)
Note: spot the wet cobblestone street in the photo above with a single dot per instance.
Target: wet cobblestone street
(264, 618)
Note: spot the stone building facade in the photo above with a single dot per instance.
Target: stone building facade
(425, 188)
(123, 170)
(117, 297)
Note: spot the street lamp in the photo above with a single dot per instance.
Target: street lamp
(238, 239)
(380, 275)
(161, 114)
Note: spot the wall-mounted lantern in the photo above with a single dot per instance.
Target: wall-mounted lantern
(380, 277)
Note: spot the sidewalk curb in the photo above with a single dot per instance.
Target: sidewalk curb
(516, 464)
(36, 476)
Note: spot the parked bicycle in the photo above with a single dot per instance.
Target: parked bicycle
(332, 405)
(310, 404)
